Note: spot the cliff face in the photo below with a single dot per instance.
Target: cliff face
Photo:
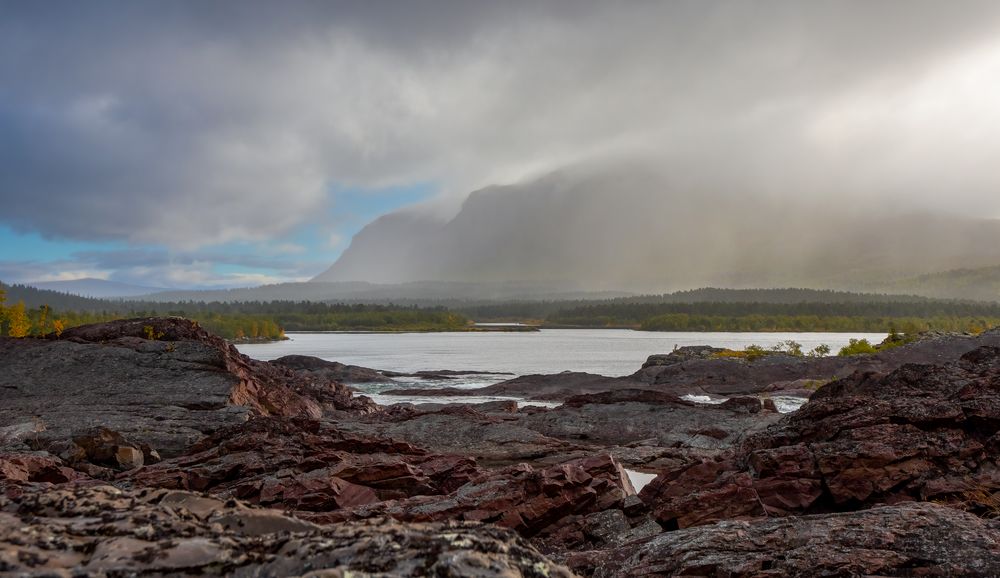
(616, 227)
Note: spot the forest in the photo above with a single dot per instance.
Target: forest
(30, 311)
(875, 316)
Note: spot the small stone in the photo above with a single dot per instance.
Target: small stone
(128, 457)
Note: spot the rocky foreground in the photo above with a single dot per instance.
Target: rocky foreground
(152, 447)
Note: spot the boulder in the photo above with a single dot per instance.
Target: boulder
(18, 469)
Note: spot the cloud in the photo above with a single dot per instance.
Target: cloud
(23, 271)
(157, 267)
(190, 125)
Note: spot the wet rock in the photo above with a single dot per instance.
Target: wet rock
(914, 539)
(921, 432)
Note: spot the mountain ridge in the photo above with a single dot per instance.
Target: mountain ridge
(646, 231)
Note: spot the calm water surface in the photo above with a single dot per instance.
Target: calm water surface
(611, 352)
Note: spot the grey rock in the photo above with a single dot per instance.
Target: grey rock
(912, 539)
(104, 530)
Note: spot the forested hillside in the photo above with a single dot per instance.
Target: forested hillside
(46, 311)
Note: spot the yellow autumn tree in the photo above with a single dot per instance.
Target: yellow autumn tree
(43, 315)
(57, 326)
(3, 308)
(20, 325)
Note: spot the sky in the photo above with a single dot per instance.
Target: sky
(193, 144)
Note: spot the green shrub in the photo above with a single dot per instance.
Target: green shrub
(857, 347)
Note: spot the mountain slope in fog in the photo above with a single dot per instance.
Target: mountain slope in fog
(641, 229)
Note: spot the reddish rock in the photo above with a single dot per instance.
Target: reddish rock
(303, 464)
(104, 447)
(920, 432)
(520, 497)
(31, 468)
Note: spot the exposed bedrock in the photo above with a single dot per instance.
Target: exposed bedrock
(162, 382)
(308, 465)
(524, 498)
(883, 472)
(101, 530)
(921, 432)
(914, 539)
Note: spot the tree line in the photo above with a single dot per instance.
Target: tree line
(236, 321)
(797, 310)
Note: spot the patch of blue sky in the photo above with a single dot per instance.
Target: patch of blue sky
(302, 253)
(19, 246)
(353, 208)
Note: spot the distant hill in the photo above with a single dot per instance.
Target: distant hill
(425, 292)
(982, 284)
(90, 287)
(34, 297)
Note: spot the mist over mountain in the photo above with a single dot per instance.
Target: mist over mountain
(419, 293)
(634, 226)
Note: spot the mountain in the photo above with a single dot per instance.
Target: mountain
(420, 292)
(981, 284)
(89, 287)
(638, 229)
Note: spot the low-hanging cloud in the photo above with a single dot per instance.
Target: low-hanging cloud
(188, 124)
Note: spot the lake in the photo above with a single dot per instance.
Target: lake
(611, 352)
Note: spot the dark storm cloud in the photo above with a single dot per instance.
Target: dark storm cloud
(192, 123)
